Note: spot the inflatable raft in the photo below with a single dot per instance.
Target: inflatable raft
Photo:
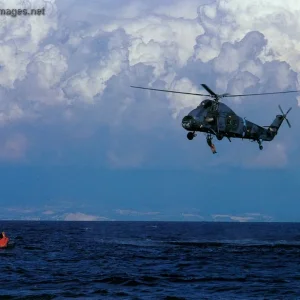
(5, 243)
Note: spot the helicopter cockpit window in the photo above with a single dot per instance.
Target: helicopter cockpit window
(205, 104)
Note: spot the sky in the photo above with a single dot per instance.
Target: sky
(77, 143)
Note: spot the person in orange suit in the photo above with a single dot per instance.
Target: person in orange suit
(3, 240)
(211, 145)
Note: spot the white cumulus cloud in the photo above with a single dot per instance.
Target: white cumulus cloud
(192, 216)
(247, 217)
(129, 212)
(69, 72)
(13, 147)
(83, 217)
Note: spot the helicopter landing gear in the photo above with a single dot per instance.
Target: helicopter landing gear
(210, 143)
(260, 145)
(191, 135)
(220, 136)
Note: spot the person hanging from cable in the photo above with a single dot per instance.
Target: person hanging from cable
(211, 145)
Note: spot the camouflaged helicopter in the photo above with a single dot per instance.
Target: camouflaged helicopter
(214, 118)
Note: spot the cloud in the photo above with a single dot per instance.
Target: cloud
(192, 216)
(276, 157)
(21, 38)
(83, 217)
(48, 212)
(247, 217)
(128, 212)
(68, 74)
(241, 219)
(61, 211)
(58, 211)
(48, 67)
(20, 210)
(29, 218)
(260, 216)
(13, 148)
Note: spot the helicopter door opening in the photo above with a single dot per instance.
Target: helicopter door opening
(209, 119)
(211, 112)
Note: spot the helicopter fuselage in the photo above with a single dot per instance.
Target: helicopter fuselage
(215, 118)
(218, 119)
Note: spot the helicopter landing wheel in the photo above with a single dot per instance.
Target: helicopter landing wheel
(190, 135)
(220, 137)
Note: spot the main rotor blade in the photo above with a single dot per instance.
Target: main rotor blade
(212, 94)
(209, 90)
(168, 91)
(258, 94)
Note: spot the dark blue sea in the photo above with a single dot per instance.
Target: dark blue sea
(150, 260)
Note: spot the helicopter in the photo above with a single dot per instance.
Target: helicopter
(216, 119)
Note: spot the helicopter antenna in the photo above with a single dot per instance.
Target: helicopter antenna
(212, 94)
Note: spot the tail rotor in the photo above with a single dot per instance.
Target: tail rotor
(285, 114)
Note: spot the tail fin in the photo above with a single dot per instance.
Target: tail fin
(274, 127)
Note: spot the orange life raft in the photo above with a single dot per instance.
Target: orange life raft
(3, 240)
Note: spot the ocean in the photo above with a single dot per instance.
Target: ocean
(150, 260)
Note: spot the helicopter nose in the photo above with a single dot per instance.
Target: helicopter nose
(187, 122)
